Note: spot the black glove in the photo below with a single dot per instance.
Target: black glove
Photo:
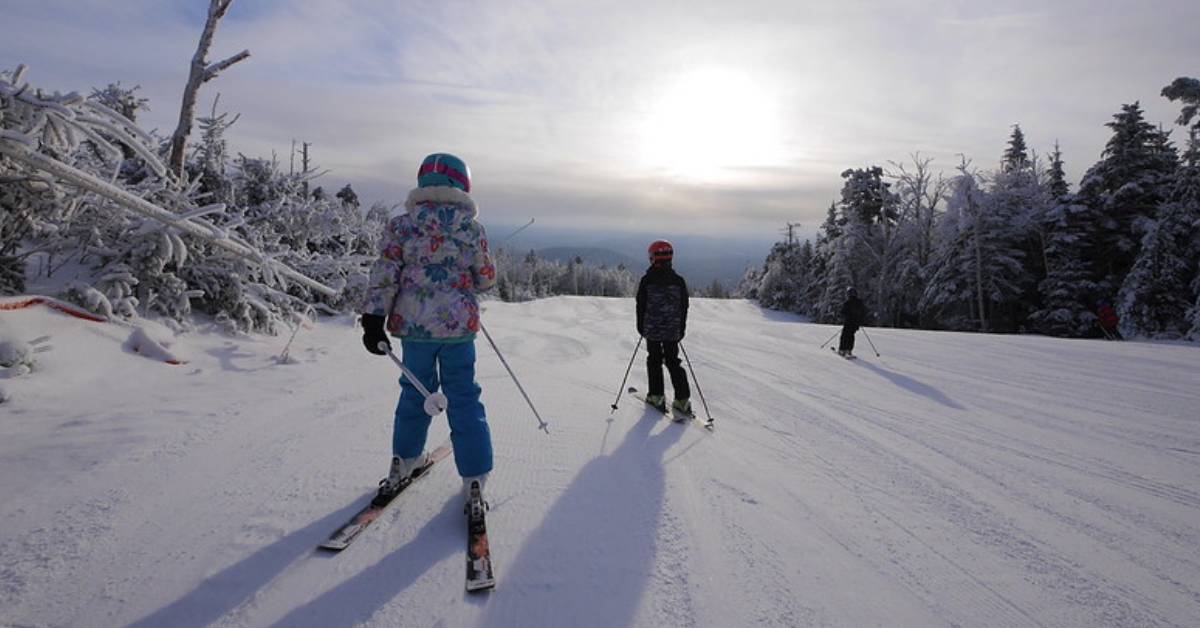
(373, 333)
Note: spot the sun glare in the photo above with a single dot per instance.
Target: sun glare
(707, 122)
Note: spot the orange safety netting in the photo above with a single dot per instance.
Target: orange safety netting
(53, 304)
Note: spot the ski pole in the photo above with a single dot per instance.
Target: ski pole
(435, 403)
(835, 335)
(864, 330)
(542, 425)
(693, 372)
(627, 369)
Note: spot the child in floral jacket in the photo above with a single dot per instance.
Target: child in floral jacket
(433, 260)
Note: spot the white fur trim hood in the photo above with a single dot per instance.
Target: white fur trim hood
(440, 194)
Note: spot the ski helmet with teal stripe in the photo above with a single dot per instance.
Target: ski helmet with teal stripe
(444, 170)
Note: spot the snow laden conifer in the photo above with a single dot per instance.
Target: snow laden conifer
(1017, 201)
(1016, 154)
(977, 269)
(1067, 291)
(784, 281)
(1125, 188)
(872, 246)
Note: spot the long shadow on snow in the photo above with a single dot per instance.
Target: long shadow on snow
(354, 601)
(909, 383)
(590, 561)
(237, 583)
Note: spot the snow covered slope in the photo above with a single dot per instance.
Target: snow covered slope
(959, 479)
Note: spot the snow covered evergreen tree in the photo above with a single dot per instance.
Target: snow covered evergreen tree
(1185, 200)
(1016, 154)
(976, 267)
(1157, 292)
(871, 248)
(1018, 202)
(1068, 290)
(1186, 90)
(785, 277)
(1125, 188)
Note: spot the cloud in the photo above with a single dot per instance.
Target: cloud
(546, 99)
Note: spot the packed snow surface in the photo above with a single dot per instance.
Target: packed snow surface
(958, 480)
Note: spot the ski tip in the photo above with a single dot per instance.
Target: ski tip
(631, 389)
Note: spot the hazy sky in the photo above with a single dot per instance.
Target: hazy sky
(692, 116)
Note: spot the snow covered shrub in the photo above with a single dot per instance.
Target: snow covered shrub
(18, 356)
(228, 252)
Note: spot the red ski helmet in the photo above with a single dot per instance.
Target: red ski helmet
(661, 251)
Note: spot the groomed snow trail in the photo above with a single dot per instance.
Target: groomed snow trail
(959, 479)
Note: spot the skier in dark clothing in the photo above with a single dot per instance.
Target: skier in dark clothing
(662, 305)
(854, 313)
(1107, 320)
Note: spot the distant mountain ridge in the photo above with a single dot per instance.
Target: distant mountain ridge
(700, 259)
(593, 255)
(699, 272)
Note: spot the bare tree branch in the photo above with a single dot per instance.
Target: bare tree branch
(200, 73)
(211, 71)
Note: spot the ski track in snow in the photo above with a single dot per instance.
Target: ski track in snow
(958, 480)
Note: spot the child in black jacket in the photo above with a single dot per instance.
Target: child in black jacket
(854, 314)
(662, 305)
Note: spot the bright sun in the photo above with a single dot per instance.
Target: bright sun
(709, 121)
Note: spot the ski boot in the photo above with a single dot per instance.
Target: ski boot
(402, 471)
(472, 487)
(682, 407)
(658, 402)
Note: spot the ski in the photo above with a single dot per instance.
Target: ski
(346, 534)
(668, 412)
(848, 357)
(480, 576)
(640, 396)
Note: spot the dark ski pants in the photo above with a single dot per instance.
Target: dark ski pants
(667, 352)
(847, 341)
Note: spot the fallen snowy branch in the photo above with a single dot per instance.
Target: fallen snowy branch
(22, 153)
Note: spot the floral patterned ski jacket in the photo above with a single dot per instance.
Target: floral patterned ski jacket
(433, 259)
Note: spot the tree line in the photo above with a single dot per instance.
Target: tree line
(1013, 248)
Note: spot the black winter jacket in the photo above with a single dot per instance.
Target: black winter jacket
(854, 312)
(662, 305)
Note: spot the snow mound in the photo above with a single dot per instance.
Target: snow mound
(155, 344)
(14, 352)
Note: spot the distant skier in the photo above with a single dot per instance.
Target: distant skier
(854, 314)
(433, 260)
(1107, 320)
(662, 306)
